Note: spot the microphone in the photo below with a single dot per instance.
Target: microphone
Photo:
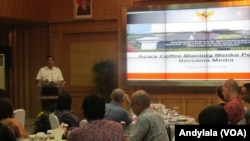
(52, 83)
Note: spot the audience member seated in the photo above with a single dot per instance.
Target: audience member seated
(97, 128)
(114, 109)
(247, 116)
(233, 107)
(213, 115)
(63, 110)
(221, 100)
(6, 134)
(150, 125)
(7, 119)
(245, 90)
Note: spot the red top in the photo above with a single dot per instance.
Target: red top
(235, 110)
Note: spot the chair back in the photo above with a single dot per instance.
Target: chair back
(54, 121)
(19, 114)
(82, 122)
(242, 122)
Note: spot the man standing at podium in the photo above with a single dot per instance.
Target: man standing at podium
(51, 81)
(49, 74)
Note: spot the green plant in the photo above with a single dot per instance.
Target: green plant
(105, 77)
(42, 123)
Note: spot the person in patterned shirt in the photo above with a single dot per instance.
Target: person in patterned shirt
(150, 125)
(97, 128)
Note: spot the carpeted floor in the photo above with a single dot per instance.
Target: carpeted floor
(29, 124)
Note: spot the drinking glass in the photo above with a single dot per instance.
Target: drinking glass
(176, 111)
(166, 111)
(40, 136)
(49, 135)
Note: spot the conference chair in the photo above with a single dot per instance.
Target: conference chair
(19, 114)
(82, 122)
(242, 122)
(54, 121)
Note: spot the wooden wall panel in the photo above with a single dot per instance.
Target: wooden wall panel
(184, 101)
(87, 27)
(81, 67)
(194, 106)
(37, 10)
(77, 104)
(214, 101)
(105, 9)
(55, 43)
(173, 102)
(80, 52)
(60, 11)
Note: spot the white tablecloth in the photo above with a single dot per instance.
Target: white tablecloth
(170, 124)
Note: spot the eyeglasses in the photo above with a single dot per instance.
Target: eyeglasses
(133, 104)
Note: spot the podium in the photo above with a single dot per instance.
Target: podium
(49, 95)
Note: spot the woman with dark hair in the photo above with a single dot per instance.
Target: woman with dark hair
(63, 110)
(213, 115)
(97, 128)
(7, 119)
(6, 134)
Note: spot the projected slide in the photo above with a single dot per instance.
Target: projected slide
(188, 44)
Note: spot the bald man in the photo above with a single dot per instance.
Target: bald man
(150, 125)
(114, 109)
(233, 106)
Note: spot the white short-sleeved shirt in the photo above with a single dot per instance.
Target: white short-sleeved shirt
(53, 74)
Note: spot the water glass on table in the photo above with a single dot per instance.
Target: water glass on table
(175, 110)
(165, 113)
(40, 136)
(49, 135)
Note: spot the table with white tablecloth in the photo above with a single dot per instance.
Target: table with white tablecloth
(169, 121)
